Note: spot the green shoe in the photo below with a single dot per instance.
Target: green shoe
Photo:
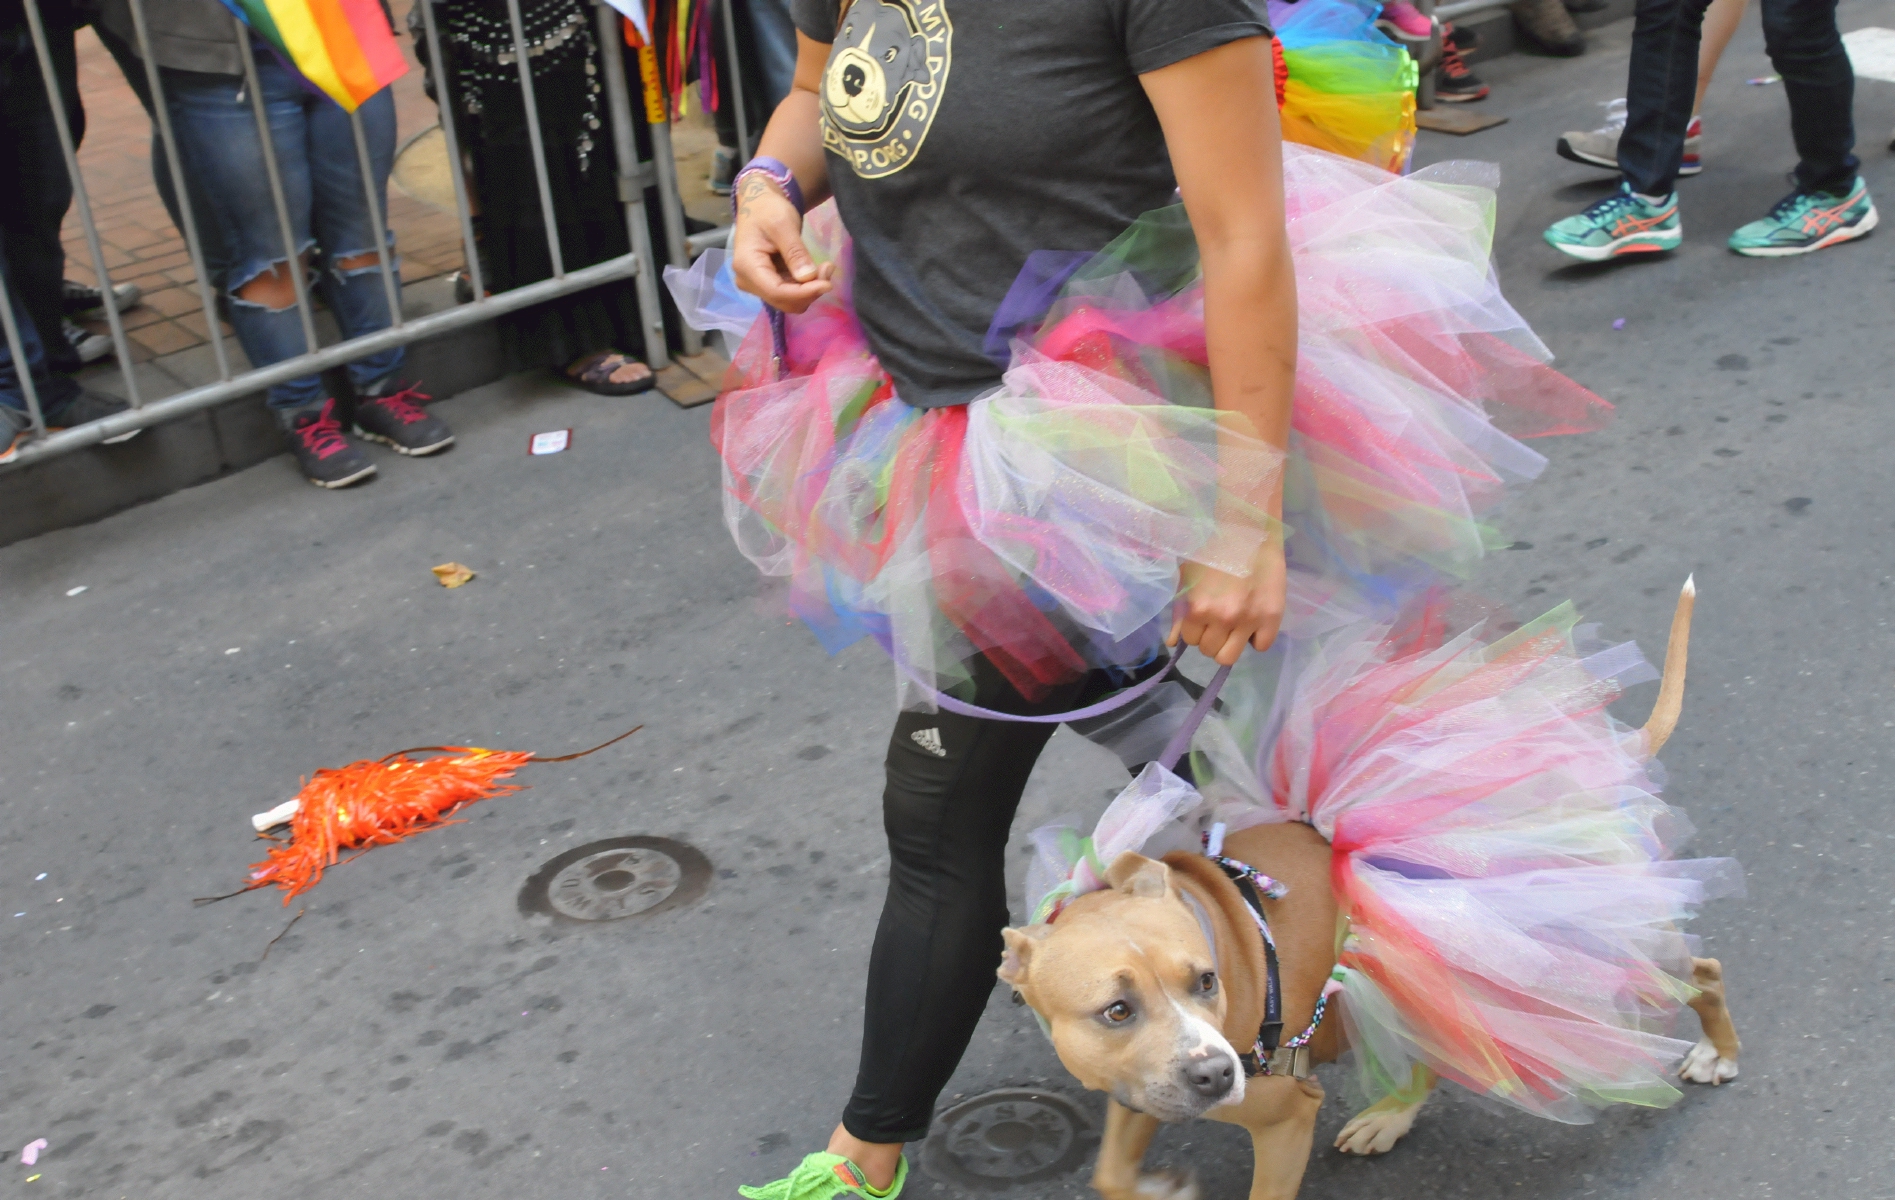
(826, 1176)
(1619, 224)
(1805, 221)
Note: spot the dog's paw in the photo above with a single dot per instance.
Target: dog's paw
(1168, 1185)
(1705, 1065)
(1375, 1130)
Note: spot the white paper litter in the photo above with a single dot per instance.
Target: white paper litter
(1872, 52)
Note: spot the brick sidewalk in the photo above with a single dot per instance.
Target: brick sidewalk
(141, 245)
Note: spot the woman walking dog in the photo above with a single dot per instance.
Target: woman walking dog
(1028, 419)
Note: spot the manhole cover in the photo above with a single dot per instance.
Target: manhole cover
(1010, 1136)
(618, 877)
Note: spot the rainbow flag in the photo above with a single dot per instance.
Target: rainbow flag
(343, 47)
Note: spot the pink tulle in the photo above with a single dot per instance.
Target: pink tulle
(1043, 524)
(1504, 861)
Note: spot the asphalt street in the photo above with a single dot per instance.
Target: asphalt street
(421, 1033)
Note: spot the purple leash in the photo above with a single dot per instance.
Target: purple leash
(1175, 749)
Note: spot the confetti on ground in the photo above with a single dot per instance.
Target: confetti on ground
(75, 591)
(39, 877)
(1619, 323)
(452, 574)
(29, 1153)
(1765, 80)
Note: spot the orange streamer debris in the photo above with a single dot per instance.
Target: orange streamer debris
(376, 802)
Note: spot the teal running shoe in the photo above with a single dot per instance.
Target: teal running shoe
(1805, 221)
(825, 1176)
(1619, 224)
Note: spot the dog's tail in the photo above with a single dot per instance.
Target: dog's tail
(1664, 716)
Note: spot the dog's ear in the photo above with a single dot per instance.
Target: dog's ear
(1136, 875)
(1019, 955)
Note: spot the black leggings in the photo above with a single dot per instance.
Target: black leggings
(953, 785)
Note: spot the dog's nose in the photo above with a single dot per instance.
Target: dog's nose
(1211, 1077)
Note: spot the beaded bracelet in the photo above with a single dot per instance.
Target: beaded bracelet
(776, 172)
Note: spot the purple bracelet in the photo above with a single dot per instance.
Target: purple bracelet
(777, 172)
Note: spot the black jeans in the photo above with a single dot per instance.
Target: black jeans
(953, 785)
(34, 193)
(36, 190)
(1805, 48)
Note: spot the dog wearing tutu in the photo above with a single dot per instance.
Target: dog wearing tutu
(1433, 885)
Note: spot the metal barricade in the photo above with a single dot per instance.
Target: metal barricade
(633, 177)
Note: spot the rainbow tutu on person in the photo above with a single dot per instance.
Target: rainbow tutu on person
(1043, 524)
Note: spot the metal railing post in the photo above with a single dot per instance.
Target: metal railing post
(16, 346)
(618, 99)
(444, 102)
(390, 289)
(744, 147)
(671, 210)
(294, 265)
(196, 399)
(57, 100)
(161, 113)
(524, 60)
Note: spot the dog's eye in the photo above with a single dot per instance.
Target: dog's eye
(888, 55)
(1207, 982)
(1117, 1013)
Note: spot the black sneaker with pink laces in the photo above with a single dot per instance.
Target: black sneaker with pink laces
(395, 418)
(326, 455)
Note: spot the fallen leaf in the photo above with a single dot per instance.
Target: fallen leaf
(452, 574)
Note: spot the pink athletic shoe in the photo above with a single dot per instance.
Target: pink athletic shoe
(1404, 21)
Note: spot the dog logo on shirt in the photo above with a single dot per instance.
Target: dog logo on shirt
(886, 73)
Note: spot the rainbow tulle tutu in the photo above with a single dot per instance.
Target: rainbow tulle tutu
(1501, 849)
(1347, 87)
(1501, 853)
(1044, 523)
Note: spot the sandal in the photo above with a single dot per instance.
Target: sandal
(596, 373)
(825, 1176)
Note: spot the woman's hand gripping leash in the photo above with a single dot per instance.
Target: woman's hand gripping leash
(767, 254)
(1221, 613)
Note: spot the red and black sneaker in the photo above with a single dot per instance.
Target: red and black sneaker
(1453, 82)
(326, 455)
(397, 419)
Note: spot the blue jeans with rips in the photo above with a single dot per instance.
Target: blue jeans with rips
(322, 184)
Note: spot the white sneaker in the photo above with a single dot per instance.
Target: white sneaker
(90, 347)
(1600, 147)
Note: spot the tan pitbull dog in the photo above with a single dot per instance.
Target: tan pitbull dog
(1139, 1007)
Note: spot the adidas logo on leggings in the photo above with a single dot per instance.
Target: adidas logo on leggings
(930, 740)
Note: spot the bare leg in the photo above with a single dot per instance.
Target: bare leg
(1714, 1059)
(878, 1160)
(1720, 24)
(1377, 1128)
(1119, 1173)
(275, 289)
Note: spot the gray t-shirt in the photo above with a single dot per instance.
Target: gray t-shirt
(965, 134)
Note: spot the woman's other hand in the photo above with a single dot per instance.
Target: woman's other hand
(767, 254)
(1220, 613)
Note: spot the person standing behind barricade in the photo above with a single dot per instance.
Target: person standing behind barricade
(579, 334)
(202, 77)
(33, 200)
